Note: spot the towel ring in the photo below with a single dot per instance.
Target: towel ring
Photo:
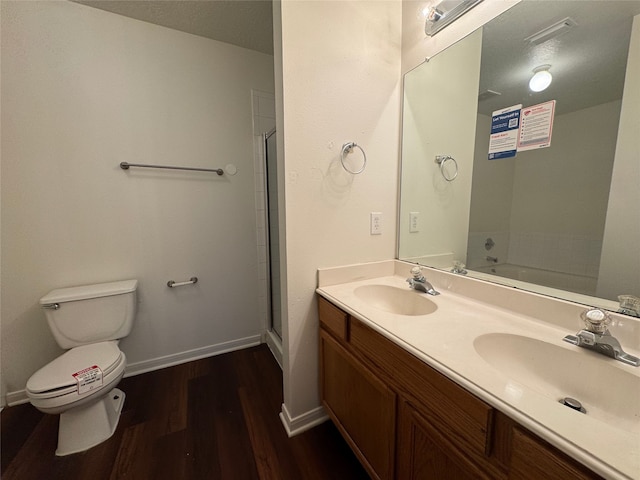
(441, 160)
(348, 148)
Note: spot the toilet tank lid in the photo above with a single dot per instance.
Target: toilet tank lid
(84, 292)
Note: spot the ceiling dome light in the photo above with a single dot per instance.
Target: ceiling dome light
(541, 78)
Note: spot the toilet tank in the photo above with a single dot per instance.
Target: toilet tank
(91, 313)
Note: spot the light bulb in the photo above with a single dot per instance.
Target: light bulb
(540, 80)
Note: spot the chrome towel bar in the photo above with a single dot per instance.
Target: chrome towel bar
(126, 165)
(191, 281)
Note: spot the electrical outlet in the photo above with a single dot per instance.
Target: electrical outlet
(414, 222)
(376, 223)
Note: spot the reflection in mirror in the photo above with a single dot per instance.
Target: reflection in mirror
(551, 205)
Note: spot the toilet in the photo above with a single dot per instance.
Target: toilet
(80, 384)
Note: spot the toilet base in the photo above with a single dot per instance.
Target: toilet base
(86, 426)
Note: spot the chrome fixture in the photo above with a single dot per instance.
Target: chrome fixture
(445, 13)
(442, 160)
(458, 267)
(489, 258)
(629, 305)
(191, 281)
(573, 403)
(127, 165)
(418, 282)
(51, 306)
(348, 148)
(596, 337)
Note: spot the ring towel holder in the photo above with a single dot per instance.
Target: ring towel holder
(442, 160)
(347, 148)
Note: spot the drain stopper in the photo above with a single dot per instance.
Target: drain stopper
(573, 403)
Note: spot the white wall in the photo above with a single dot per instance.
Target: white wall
(547, 205)
(338, 78)
(443, 206)
(82, 90)
(492, 185)
(620, 261)
(576, 167)
(491, 199)
(341, 82)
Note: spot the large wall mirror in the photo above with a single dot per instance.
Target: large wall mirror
(537, 190)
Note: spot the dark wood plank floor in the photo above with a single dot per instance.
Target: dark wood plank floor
(215, 418)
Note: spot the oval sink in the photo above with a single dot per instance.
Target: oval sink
(606, 391)
(395, 300)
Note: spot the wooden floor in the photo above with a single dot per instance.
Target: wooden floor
(215, 418)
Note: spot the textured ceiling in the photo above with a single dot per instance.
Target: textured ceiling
(247, 24)
(588, 63)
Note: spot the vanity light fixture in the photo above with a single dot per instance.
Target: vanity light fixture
(541, 78)
(445, 13)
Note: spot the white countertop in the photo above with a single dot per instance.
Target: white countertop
(445, 339)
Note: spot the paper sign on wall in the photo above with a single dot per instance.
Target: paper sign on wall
(536, 126)
(505, 127)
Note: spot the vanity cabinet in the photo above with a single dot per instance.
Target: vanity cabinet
(425, 453)
(405, 420)
(360, 404)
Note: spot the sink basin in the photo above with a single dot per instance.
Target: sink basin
(395, 300)
(606, 390)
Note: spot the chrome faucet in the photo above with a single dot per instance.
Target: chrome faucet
(596, 337)
(489, 258)
(458, 267)
(629, 305)
(418, 282)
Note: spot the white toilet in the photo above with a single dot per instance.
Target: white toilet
(80, 384)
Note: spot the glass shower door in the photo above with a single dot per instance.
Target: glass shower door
(272, 229)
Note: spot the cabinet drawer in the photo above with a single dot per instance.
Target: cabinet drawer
(458, 414)
(424, 453)
(533, 459)
(332, 318)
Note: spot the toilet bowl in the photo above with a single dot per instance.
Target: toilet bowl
(80, 384)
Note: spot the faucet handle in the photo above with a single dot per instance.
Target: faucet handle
(458, 267)
(629, 304)
(416, 272)
(596, 320)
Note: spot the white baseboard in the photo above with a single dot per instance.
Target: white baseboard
(20, 396)
(190, 355)
(17, 398)
(304, 422)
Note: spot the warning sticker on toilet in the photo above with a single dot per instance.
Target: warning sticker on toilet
(88, 379)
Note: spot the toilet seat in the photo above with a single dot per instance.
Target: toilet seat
(54, 388)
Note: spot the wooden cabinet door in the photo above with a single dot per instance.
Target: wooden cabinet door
(424, 454)
(362, 407)
(532, 459)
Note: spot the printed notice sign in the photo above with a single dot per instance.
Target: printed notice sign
(88, 379)
(536, 126)
(505, 125)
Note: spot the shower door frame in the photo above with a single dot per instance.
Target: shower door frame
(265, 137)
